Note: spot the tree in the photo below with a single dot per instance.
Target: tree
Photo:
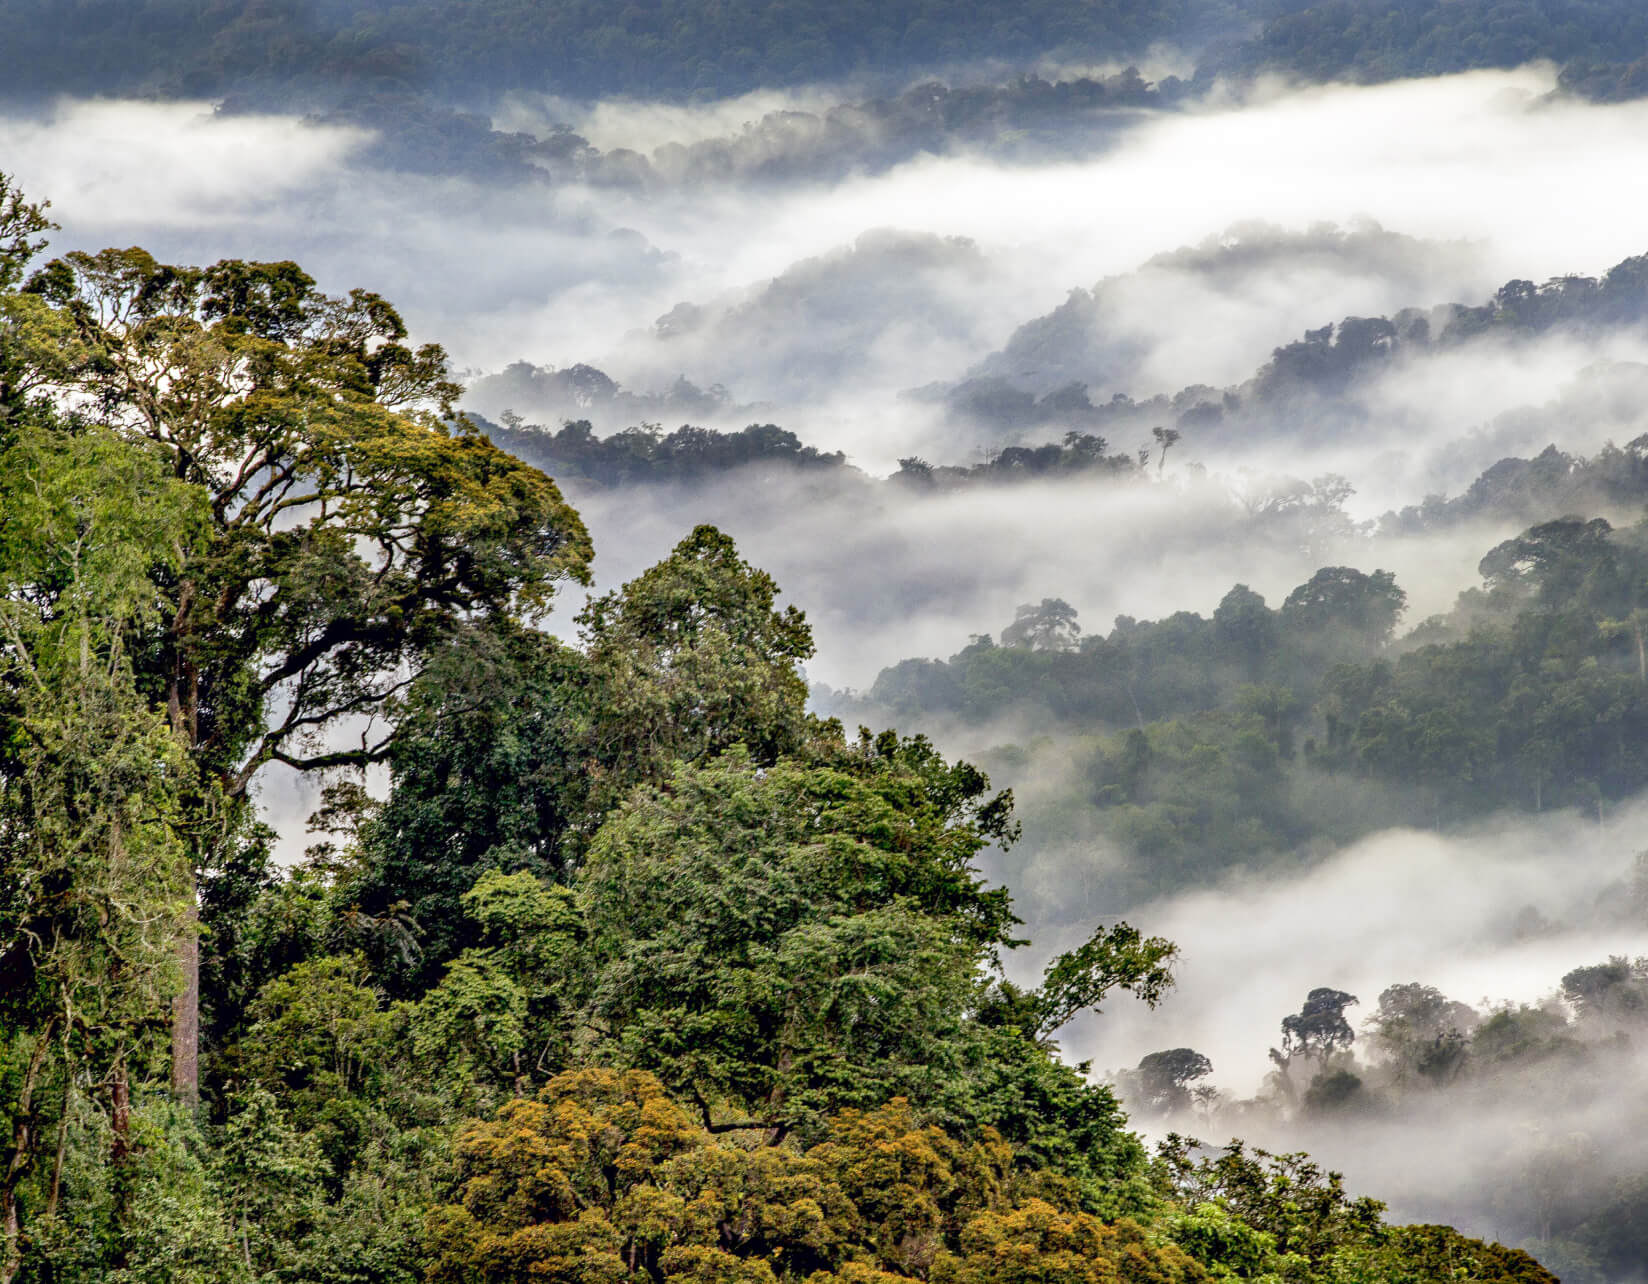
(1634, 626)
(27, 337)
(270, 1177)
(1419, 1254)
(1613, 991)
(511, 748)
(93, 862)
(1333, 1092)
(604, 1176)
(1243, 623)
(1049, 626)
(1166, 439)
(1164, 1078)
(1303, 1208)
(317, 1034)
(349, 530)
(779, 943)
(1342, 602)
(1278, 708)
(694, 657)
(1120, 957)
(1317, 1030)
(1064, 1128)
(501, 1012)
(1420, 1030)
(490, 770)
(21, 224)
(1549, 561)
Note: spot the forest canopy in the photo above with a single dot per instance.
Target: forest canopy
(638, 971)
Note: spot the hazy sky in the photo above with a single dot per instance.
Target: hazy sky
(1476, 164)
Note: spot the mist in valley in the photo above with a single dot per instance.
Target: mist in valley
(1126, 274)
(1539, 1131)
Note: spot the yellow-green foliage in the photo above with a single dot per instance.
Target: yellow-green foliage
(603, 1177)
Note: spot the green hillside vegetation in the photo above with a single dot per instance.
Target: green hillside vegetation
(1198, 743)
(639, 972)
(1601, 45)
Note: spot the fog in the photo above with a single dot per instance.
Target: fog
(795, 314)
(1432, 424)
(884, 575)
(1450, 910)
(1196, 242)
(1493, 916)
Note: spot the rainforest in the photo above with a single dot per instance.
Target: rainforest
(763, 643)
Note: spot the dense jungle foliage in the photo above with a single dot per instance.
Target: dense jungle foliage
(1202, 742)
(639, 971)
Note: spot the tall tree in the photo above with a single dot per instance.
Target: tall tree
(29, 344)
(94, 874)
(349, 528)
(511, 748)
(1047, 626)
(1316, 1031)
(781, 942)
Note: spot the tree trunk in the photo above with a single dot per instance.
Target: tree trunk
(54, 1194)
(183, 710)
(120, 1112)
(22, 1154)
(186, 1013)
(778, 1129)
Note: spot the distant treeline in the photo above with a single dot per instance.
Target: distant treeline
(1600, 44)
(1323, 363)
(1514, 489)
(415, 66)
(1531, 490)
(581, 48)
(1425, 1061)
(647, 454)
(683, 47)
(1200, 742)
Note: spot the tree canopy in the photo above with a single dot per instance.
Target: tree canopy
(638, 970)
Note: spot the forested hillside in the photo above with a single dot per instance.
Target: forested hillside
(484, 47)
(639, 971)
(1412, 1059)
(1202, 743)
(1602, 45)
(1050, 368)
(331, 51)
